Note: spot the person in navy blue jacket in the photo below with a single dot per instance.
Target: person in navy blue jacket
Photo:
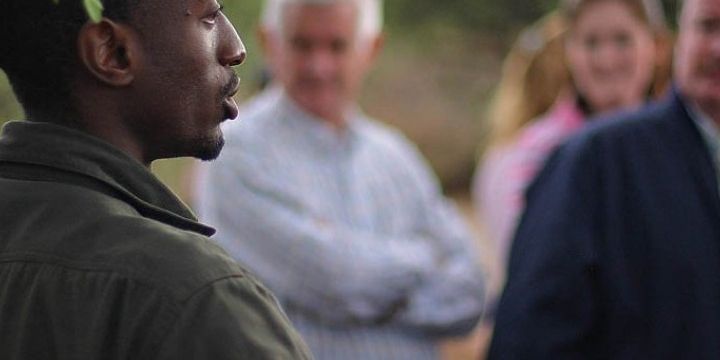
(618, 253)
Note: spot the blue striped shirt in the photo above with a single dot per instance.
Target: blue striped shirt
(348, 228)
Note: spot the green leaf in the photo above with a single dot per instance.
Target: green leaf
(94, 9)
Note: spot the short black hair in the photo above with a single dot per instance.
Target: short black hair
(38, 48)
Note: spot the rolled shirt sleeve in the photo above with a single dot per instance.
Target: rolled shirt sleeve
(451, 299)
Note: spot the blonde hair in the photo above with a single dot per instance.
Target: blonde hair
(533, 75)
(650, 12)
(535, 72)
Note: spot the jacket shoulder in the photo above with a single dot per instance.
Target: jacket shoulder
(179, 261)
(80, 228)
(655, 121)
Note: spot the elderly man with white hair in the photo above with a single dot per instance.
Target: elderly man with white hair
(337, 213)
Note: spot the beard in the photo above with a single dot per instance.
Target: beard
(208, 149)
(205, 149)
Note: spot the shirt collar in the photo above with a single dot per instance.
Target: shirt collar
(708, 129)
(62, 148)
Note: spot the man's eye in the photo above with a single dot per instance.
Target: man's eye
(710, 26)
(622, 40)
(301, 45)
(338, 46)
(212, 18)
(591, 43)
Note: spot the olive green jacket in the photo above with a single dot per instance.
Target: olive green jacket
(98, 260)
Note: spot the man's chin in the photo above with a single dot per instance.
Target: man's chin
(321, 104)
(209, 149)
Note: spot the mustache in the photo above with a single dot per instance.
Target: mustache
(231, 87)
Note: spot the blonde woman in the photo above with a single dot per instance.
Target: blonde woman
(592, 65)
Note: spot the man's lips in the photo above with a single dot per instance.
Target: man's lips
(229, 105)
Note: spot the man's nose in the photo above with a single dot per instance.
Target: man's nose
(321, 62)
(232, 50)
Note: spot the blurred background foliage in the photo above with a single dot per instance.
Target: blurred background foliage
(434, 80)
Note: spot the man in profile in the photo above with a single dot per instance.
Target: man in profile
(335, 211)
(618, 253)
(98, 260)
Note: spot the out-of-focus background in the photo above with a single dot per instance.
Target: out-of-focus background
(433, 81)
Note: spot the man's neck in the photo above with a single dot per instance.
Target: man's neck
(103, 130)
(337, 123)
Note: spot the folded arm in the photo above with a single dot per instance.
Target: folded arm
(331, 271)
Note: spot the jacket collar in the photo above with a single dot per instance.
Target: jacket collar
(56, 147)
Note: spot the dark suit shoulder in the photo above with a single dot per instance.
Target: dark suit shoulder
(656, 120)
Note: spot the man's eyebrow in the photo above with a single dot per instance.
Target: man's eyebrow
(220, 3)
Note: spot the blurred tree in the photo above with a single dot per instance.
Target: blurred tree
(470, 15)
(503, 17)
(9, 107)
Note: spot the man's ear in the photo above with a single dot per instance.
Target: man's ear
(376, 46)
(108, 51)
(373, 49)
(268, 41)
(265, 40)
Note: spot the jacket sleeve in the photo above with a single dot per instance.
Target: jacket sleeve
(233, 318)
(549, 307)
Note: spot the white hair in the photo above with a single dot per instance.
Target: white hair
(369, 19)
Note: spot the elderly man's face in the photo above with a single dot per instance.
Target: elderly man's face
(317, 57)
(697, 55)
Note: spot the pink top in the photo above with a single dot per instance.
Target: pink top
(505, 172)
